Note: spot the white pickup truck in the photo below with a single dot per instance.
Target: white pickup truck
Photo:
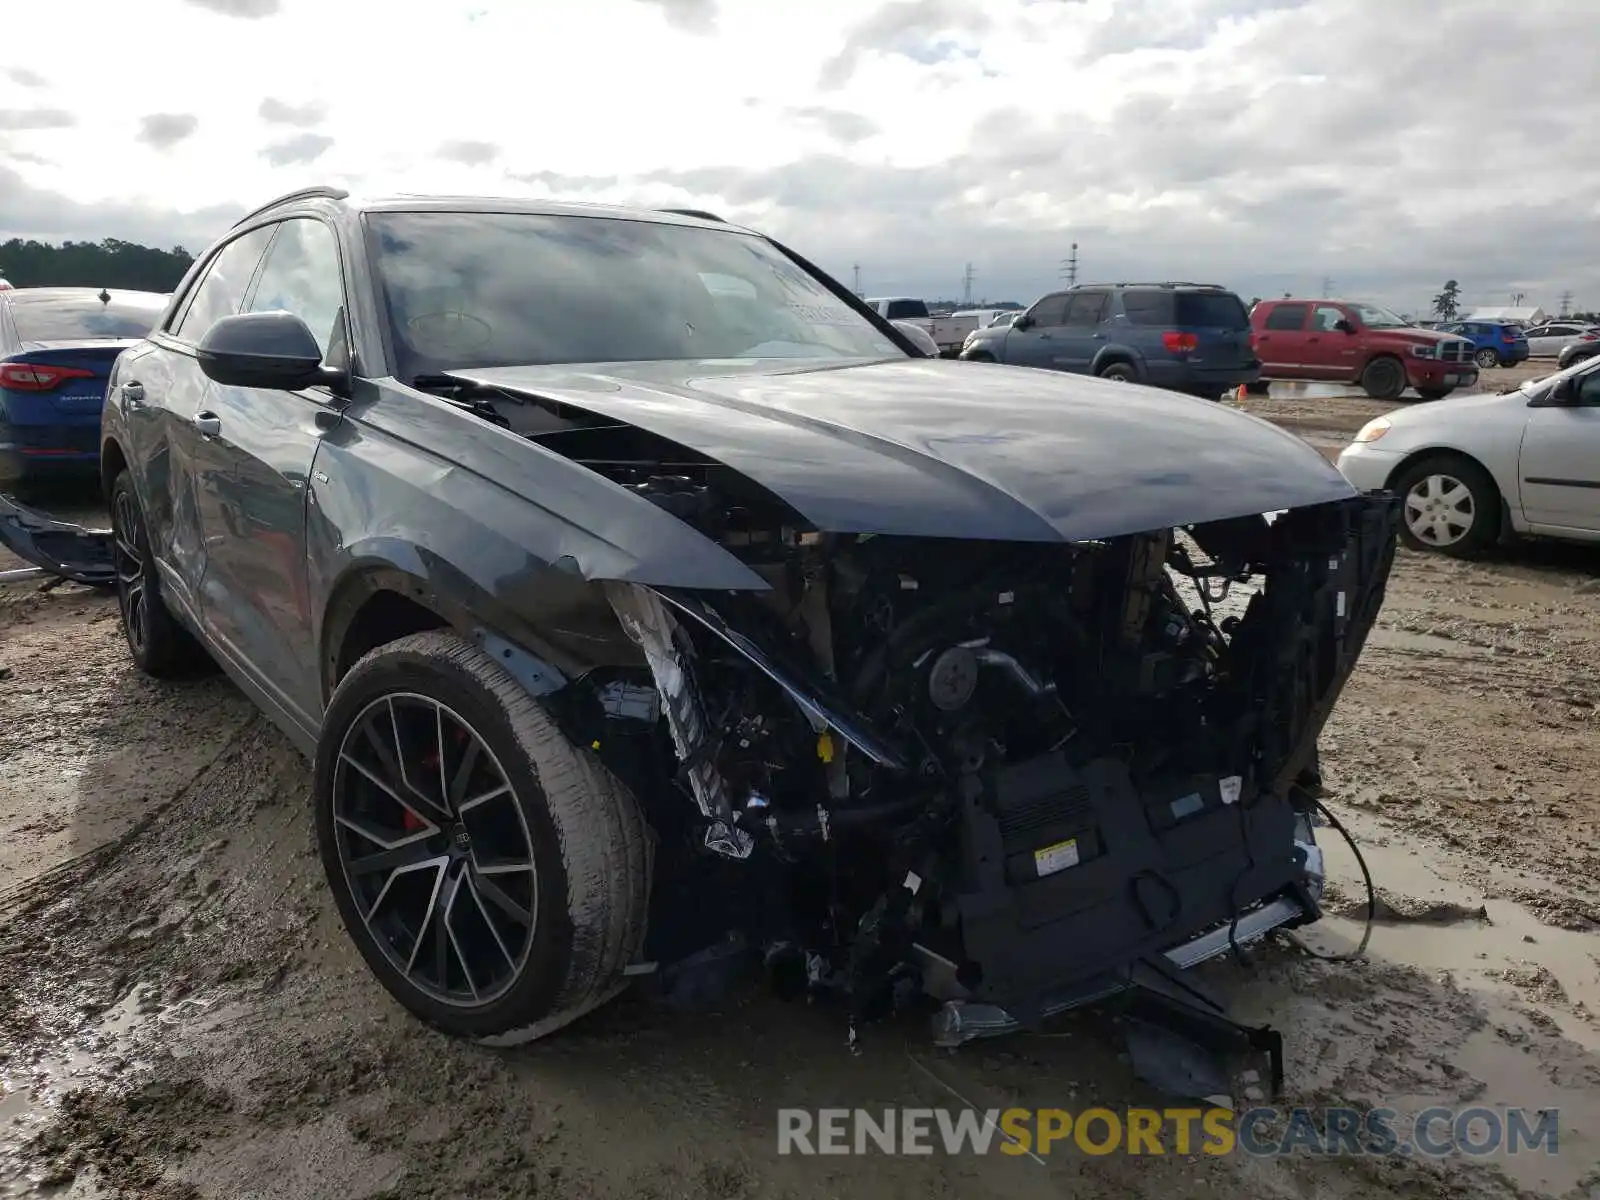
(950, 333)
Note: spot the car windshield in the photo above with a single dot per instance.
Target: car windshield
(473, 289)
(85, 318)
(1375, 317)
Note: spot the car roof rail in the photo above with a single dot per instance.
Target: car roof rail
(697, 213)
(322, 192)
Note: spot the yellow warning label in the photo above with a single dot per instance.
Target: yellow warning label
(1056, 857)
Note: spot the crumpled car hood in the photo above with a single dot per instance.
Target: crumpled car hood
(941, 448)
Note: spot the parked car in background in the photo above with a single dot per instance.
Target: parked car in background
(56, 350)
(620, 621)
(1185, 337)
(1526, 461)
(1346, 341)
(1585, 345)
(947, 332)
(1499, 343)
(1546, 340)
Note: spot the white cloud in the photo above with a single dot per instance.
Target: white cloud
(1261, 143)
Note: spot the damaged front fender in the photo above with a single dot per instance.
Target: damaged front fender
(62, 548)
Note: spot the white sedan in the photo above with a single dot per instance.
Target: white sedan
(1476, 468)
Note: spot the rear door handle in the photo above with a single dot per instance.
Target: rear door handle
(133, 393)
(208, 423)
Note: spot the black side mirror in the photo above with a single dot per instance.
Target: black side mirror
(1343, 325)
(1023, 322)
(262, 350)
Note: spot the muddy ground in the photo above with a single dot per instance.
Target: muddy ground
(181, 1014)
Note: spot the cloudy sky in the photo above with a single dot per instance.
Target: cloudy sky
(1270, 145)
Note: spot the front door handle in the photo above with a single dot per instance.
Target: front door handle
(133, 393)
(208, 423)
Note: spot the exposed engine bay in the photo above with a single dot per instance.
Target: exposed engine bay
(1013, 776)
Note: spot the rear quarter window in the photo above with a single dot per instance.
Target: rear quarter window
(1286, 316)
(1212, 310)
(1147, 307)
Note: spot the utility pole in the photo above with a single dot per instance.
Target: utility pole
(1517, 299)
(856, 267)
(1327, 287)
(1566, 303)
(1069, 267)
(966, 288)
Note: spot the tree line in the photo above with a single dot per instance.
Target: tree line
(109, 264)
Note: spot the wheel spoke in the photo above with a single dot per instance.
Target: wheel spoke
(409, 852)
(378, 782)
(467, 806)
(427, 921)
(492, 893)
(447, 924)
(437, 863)
(439, 743)
(502, 867)
(463, 776)
(488, 921)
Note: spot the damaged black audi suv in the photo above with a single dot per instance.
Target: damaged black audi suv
(636, 590)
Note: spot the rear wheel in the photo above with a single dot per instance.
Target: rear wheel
(160, 646)
(1486, 358)
(1259, 388)
(1118, 372)
(494, 877)
(1384, 378)
(1449, 504)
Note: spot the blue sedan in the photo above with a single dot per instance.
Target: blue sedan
(56, 350)
(1499, 343)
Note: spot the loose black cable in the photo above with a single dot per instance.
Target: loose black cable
(1372, 899)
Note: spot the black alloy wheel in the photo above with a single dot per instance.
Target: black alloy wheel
(435, 849)
(158, 644)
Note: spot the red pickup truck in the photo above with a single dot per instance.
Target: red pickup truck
(1343, 341)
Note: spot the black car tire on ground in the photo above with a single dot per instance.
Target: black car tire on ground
(1384, 378)
(1434, 393)
(1487, 358)
(587, 898)
(1260, 387)
(1437, 474)
(1118, 372)
(159, 644)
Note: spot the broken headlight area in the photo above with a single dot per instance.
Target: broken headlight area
(1017, 778)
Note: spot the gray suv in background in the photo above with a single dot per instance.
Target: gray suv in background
(1187, 337)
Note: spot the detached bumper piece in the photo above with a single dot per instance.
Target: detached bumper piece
(58, 547)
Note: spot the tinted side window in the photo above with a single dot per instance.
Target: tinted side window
(1147, 307)
(1212, 310)
(1052, 310)
(1287, 316)
(1086, 308)
(221, 291)
(302, 277)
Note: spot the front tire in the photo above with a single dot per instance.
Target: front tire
(494, 877)
(159, 645)
(1384, 378)
(1449, 504)
(1486, 358)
